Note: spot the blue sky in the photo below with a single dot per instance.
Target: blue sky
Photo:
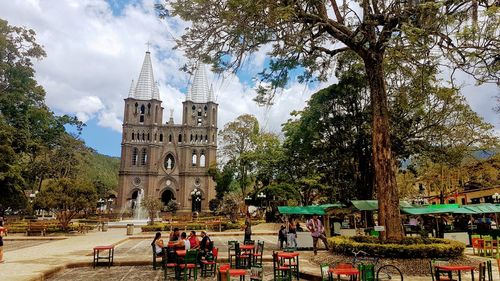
(96, 47)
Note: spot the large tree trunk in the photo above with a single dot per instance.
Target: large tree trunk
(383, 162)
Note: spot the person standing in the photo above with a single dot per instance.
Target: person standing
(2, 231)
(292, 234)
(282, 236)
(317, 232)
(248, 228)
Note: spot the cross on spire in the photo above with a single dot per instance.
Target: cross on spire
(149, 44)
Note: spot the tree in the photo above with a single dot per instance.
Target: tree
(152, 205)
(311, 33)
(66, 198)
(231, 205)
(32, 132)
(172, 207)
(238, 139)
(223, 179)
(214, 205)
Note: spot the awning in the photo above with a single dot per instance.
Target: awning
(484, 208)
(438, 209)
(307, 210)
(372, 205)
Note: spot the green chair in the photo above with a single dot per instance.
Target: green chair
(190, 264)
(487, 245)
(367, 272)
(281, 273)
(256, 273)
(259, 252)
(231, 252)
(325, 275)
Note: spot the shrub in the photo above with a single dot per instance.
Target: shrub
(152, 228)
(409, 247)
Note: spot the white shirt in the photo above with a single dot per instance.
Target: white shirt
(187, 244)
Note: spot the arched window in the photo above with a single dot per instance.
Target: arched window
(202, 159)
(195, 137)
(133, 135)
(191, 139)
(148, 136)
(136, 105)
(143, 109)
(143, 136)
(138, 136)
(194, 158)
(149, 108)
(141, 118)
(144, 158)
(169, 162)
(161, 137)
(206, 138)
(135, 151)
(170, 138)
(180, 138)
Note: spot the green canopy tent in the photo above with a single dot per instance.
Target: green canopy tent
(438, 209)
(484, 208)
(372, 205)
(307, 210)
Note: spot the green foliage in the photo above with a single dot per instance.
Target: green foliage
(102, 170)
(214, 205)
(31, 136)
(66, 198)
(408, 247)
(172, 207)
(231, 205)
(238, 139)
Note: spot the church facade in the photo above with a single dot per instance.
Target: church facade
(166, 160)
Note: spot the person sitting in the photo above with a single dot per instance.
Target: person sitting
(183, 243)
(174, 235)
(157, 243)
(193, 240)
(205, 243)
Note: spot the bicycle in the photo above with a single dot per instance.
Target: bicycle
(383, 273)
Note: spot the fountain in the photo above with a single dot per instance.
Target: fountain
(139, 213)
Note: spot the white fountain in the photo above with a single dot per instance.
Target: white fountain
(139, 213)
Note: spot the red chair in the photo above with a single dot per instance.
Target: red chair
(212, 263)
(477, 243)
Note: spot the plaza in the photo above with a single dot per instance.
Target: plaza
(69, 257)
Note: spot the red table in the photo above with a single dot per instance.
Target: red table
(181, 253)
(343, 271)
(232, 272)
(290, 256)
(110, 257)
(458, 268)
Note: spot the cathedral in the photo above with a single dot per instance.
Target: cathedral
(166, 160)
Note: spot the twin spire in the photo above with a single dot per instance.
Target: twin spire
(147, 89)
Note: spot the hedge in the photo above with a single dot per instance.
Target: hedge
(409, 247)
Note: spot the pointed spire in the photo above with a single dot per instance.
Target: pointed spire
(132, 89)
(146, 88)
(211, 97)
(199, 89)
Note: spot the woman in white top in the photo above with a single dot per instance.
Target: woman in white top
(157, 243)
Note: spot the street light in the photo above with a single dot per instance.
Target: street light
(261, 197)
(196, 194)
(496, 197)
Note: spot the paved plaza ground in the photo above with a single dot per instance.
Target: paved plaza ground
(70, 257)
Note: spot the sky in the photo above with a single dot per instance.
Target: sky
(96, 47)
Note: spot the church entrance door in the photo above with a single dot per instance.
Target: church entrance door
(167, 196)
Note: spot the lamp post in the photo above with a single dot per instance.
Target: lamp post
(261, 197)
(496, 197)
(196, 197)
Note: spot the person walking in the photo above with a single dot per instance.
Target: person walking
(248, 228)
(292, 234)
(317, 232)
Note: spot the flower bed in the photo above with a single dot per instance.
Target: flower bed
(409, 247)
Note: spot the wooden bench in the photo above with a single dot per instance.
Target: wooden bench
(36, 227)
